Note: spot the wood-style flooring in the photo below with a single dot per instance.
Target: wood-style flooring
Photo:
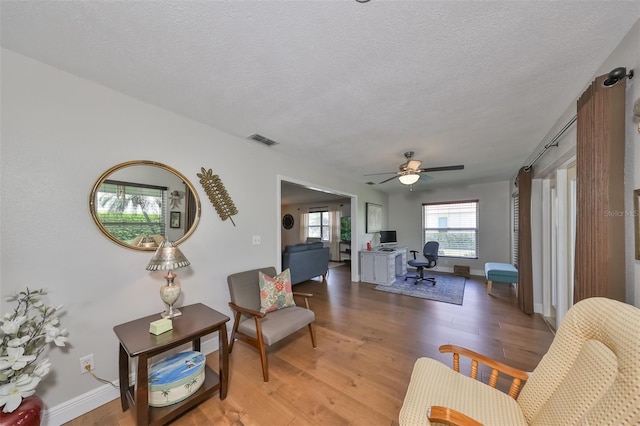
(368, 342)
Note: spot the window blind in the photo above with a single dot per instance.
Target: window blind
(454, 225)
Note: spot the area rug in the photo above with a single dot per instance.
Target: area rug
(448, 288)
(333, 264)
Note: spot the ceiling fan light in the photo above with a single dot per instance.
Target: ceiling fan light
(409, 178)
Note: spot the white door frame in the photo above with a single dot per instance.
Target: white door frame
(559, 240)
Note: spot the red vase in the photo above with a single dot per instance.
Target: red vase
(29, 413)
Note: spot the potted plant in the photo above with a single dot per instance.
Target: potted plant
(24, 335)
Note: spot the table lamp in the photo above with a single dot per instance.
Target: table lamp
(167, 258)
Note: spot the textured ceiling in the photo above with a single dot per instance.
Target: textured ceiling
(350, 84)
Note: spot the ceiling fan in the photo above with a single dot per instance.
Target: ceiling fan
(410, 171)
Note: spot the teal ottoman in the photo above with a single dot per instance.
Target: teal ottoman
(500, 273)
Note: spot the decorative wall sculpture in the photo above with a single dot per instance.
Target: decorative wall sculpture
(218, 195)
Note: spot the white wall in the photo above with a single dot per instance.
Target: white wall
(59, 134)
(405, 210)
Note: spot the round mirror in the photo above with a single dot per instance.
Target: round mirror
(138, 204)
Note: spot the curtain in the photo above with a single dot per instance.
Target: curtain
(525, 272)
(334, 233)
(304, 226)
(599, 268)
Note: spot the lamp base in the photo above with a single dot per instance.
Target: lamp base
(171, 312)
(169, 294)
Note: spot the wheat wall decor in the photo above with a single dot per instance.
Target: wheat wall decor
(218, 195)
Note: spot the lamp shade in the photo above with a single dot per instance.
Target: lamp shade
(409, 178)
(167, 257)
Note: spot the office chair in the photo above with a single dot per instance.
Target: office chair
(430, 252)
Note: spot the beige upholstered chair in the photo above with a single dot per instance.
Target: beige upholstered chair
(589, 376)
(258, 329)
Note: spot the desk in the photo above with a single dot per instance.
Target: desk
(196, 321)
(382, 267)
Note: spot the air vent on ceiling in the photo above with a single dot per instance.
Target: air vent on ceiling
(371, 183)
(263, 140)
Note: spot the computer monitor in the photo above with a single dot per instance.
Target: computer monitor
(388, 237)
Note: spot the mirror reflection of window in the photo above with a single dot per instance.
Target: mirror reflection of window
(129, 210)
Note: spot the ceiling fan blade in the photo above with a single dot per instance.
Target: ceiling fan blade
(424, 178)
(384, 173)
(442, 169)
(387, 180)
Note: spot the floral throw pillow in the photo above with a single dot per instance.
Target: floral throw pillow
(275, 293)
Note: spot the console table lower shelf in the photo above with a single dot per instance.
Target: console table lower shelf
(196, 321)
(162, 415)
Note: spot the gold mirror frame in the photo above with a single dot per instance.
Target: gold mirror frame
(118, 167)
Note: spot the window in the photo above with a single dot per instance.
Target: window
(454, 225)
(318, 225)
(128, 210)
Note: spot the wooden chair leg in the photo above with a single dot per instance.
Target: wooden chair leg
(236, 323)
(263, 351)
(265, 362)
(313, 335)
(233, 339)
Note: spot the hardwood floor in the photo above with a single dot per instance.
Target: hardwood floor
(368, 342)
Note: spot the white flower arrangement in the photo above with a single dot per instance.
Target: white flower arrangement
(24, 334)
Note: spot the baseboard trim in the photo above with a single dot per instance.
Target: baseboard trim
(82, 404)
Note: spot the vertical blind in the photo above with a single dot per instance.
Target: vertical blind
(454, 225)
(514, 243)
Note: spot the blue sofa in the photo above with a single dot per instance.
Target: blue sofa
(306, 261)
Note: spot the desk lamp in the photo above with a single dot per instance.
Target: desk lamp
(167, 258)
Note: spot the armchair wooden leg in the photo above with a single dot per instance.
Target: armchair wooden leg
(313, 335)
(236, 323)
(233, 339)
(265, 362)
(263, 351)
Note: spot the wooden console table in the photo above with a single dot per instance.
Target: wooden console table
(196, 321)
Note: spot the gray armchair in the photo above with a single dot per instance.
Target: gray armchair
(261, 330)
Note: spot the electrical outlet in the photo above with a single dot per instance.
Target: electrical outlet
(86, 361)
(257, 239)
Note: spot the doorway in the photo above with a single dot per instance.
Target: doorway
(559, 238)
(297, 198)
